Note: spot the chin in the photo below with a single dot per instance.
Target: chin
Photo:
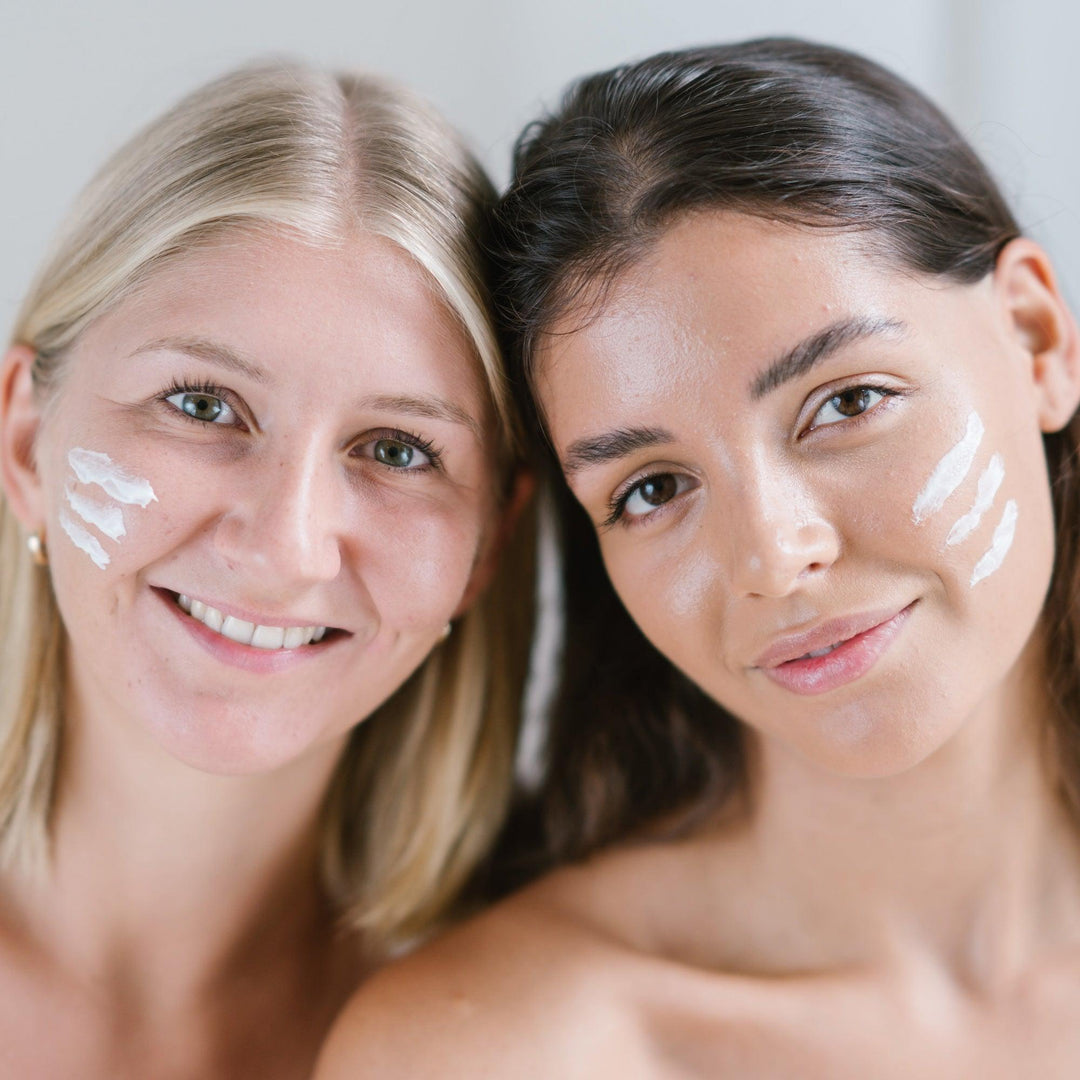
(231, 741)
(861, 742)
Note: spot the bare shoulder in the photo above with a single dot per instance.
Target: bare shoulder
(531, 988)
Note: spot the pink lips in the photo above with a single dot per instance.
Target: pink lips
(261, 661)
(860, 641)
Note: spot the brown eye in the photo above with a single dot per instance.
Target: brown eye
(657, 490)
(848, 404)
(650, 493)
(852, 402)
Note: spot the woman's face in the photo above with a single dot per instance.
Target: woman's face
(265, 435)
(787, 448)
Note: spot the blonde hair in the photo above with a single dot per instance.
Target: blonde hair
(425, 780)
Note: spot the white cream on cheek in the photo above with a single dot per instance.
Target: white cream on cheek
(949, 473)
(92, 468)
(104, 517)
(999, 546)
(947, 476)
(83, 540)
(989, 482)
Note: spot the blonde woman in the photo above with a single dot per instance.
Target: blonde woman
(258, 465)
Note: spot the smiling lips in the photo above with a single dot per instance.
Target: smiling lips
(247, 633)
(832, 654)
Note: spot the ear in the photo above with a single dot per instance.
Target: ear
(1038, 318)
(20, 418)
(521, 491)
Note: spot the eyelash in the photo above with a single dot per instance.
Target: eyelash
(885, 391)
(197, 386)
(409, 438)
(617, 505)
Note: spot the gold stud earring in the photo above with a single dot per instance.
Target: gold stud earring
(35, 542)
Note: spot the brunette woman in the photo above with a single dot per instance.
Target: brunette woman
(816, 757)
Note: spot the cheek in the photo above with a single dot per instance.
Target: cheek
(99, 505)
(416, 561)
(983, 500)
(673, 592)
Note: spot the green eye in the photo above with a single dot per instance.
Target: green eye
(399, 454)
(200, 406)
(391, 452)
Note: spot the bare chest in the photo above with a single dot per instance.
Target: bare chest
(52, 1027)
(848, 1033)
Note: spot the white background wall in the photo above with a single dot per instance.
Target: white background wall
(76, 78)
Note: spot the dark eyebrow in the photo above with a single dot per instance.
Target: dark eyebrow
(812, 350)
(432, 407)
(210, 351)
(611, 446)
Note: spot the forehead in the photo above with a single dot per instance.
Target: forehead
(360, 308)
(718, 292)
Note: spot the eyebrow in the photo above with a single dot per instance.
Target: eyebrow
(611, 446)
(210, 351)
(433, 408)
(812, 350)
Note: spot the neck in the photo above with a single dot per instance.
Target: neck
(969, 857)
(165, 880)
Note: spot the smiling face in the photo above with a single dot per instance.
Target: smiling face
(789, 449)
(275, 442)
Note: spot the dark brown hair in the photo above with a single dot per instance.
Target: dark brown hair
(785, 130)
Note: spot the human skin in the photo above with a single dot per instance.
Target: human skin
(181, 928)
(785, 524)
(900, 894)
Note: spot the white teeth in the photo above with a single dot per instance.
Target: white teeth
(237, 630)
(268, 637)
(246, 633)
(818, 652)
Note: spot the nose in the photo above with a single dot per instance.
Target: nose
(286, 521)
(779, 537)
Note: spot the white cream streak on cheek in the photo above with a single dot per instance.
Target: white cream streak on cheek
(91, 467)
(989, 483)
(999, 545)
(108, 519)
(83, 540)
(950, 472)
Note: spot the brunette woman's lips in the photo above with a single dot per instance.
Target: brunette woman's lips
(855, 644)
